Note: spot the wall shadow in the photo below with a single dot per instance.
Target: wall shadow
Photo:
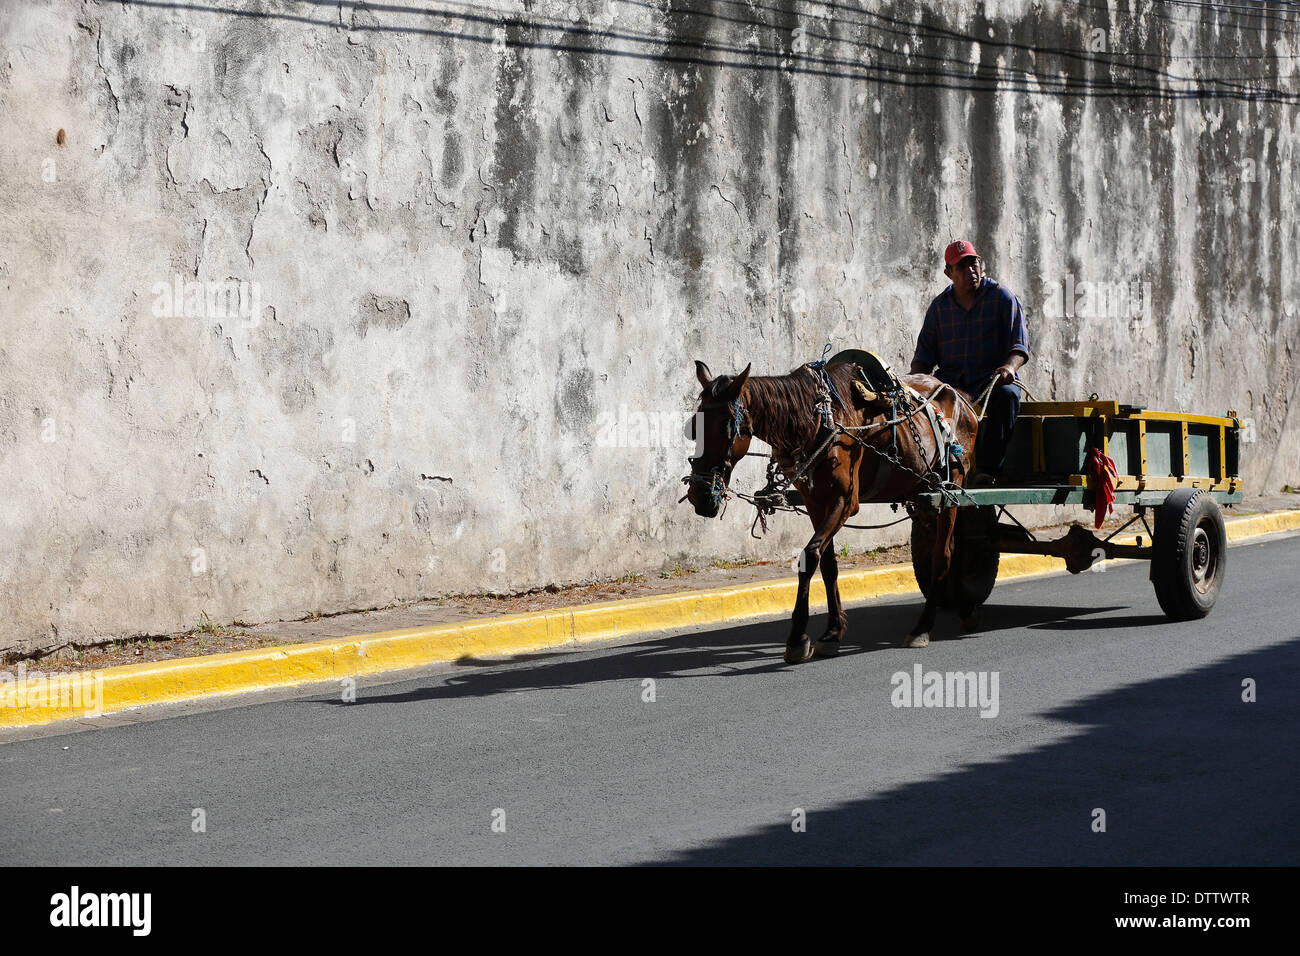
(1187, 773)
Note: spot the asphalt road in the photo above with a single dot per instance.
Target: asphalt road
(1102, 704)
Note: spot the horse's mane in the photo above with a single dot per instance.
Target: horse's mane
(782, 405)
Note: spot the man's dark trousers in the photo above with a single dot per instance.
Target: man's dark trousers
(995, 429)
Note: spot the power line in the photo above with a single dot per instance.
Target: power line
(913, 29)
(948, 74)
(1248, 12)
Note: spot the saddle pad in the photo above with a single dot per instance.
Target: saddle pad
(876, 373)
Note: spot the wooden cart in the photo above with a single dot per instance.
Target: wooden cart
(1183, 468)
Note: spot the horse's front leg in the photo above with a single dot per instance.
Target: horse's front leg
(828, 645)
(940, 567)
(826, 521)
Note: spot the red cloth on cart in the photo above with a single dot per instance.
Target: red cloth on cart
(1102, 475)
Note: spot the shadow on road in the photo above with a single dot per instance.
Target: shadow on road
(1104, 624)
(873, 628)
(1185, 770)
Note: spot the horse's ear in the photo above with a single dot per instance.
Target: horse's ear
(733, 389)
(703, 374)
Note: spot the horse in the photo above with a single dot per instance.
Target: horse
(833, 468)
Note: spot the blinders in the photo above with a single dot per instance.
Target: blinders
(735, 426)
(736, 421)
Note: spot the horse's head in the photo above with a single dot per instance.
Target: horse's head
(721, 430)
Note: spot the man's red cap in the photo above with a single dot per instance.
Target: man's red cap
(957, 251)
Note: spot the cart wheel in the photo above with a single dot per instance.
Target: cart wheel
(1189, 554)
(978, 557)
(975, 557)
(923, 532)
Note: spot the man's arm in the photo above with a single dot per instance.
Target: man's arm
(1019, 337)
(926, 356)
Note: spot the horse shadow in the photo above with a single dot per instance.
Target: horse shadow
(738, 651)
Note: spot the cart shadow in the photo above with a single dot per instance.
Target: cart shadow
(1106, 623)
(741, 651)
(1007, 617)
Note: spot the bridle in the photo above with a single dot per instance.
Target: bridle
(739, 425)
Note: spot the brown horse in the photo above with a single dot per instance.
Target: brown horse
(781, 411)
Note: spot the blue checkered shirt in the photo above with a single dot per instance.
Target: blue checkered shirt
(968, 346)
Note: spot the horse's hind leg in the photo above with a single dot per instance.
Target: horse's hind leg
(797, 646)
(940, 566)
(828, 645)
(919, 636)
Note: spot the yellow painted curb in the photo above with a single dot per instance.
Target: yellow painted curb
(29, 698)
(1252, 526)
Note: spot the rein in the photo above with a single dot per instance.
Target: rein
(984, 399)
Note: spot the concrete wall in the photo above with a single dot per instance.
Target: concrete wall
(428, 253)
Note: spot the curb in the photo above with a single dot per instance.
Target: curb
(28, 701)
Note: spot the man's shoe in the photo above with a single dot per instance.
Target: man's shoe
(983, 479)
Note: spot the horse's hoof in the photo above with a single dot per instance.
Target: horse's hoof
(825, 648)
(916, 640)
(798, 653)
(972, 620)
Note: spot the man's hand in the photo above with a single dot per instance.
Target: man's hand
(1004, 375)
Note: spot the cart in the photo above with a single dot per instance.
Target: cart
(1183, 468)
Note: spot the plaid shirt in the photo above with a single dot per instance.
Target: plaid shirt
(968, 346)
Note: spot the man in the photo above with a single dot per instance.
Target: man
(975, 331)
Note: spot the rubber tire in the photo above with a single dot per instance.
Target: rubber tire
(1177, 520)
(978, 556)
(975, 561)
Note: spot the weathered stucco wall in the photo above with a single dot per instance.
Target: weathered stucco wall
(463, 238)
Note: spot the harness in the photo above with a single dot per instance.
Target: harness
(826, 389)
(940, 426)
(876, 384)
